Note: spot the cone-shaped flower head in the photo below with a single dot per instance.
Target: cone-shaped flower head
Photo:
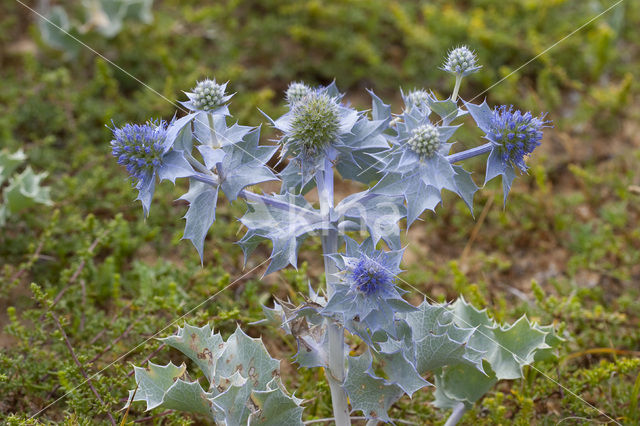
(296, 92)
(315, 122)
(425, 140)
(461, 61)
(139, 147)
(208, 96)
(517, 134)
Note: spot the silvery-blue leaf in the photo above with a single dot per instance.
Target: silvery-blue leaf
(184, 140)
(361, 168)
(423, 198)
(394, 184)
(211, 156)
(275, 408)
(462, 383)
(250, 357)
(200, 216)
(466, 187)
(332, 90)
(313, 351)
(497, 167)
(446, 109)
(438, 172)
(400, 371)
(508, 348)
(200, 344)
(285, 224)
(367, 392)
(379, 110)
(446, 132)
(292, 179)
(175, 128)
(166, 386)
(174, 166)
(232, 403)
(146, 188)
(482, 115)
(380, 214)
(235, 177)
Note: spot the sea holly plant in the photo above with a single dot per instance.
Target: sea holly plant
(404, 162)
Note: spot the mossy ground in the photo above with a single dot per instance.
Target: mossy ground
(565, 250)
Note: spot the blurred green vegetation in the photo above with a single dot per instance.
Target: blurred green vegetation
(565, 250)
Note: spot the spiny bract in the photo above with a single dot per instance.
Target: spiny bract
(139, 147)
(425, 140)
(517, 134)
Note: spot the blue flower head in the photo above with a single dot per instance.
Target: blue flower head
(515, 134)
(367, 296)
(146, 151)
(139, 147)
(461, 61)
(372, 275)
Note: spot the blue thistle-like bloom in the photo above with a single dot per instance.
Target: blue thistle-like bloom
(296, 92)
(146, 152)
(367, 297)
(372, 275)
(139, 147)
(461, 61)
(516, 134)
(512, 134)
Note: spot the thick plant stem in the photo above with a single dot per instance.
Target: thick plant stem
(454, 95)
(456, 415)
(214, 139)
(335, 372)
(473, 152)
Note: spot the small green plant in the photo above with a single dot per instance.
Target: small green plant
(20, 190)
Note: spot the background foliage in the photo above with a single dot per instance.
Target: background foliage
(566, 250)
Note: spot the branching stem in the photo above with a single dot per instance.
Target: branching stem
(473, 152)
(335, 373)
